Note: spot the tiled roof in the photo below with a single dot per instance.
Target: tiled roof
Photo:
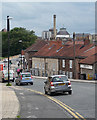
(49, 49)
(89, 60)
(58, 50)
(90, 51)
(36, 46)
(76, 42)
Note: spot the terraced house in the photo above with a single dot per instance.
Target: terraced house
(56, 57)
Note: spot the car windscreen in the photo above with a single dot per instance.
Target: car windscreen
(59, 79)
(26, 75)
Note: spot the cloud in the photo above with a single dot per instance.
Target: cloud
(76, 16)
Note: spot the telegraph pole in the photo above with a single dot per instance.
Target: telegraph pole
(74, 63)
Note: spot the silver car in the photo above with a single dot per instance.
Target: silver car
(57, 83)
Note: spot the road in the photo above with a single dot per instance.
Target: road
(35, 105)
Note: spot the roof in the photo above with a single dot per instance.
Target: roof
(88, 52)
(89, 60)
(36, 46)
(63, 32)
(55, 49)
(76, 42)
(49, 49)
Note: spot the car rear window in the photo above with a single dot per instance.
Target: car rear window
(59, 79)
(26, 75)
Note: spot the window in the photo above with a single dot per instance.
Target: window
(70, 75)
(53, 67)
(42, 66)
(35, 65)
(63, 63)
(39, 65)
(70, 63)
(59, 79)
(26, 75)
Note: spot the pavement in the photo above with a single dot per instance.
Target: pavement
(9, 103)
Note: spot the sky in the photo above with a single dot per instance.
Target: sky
(38, 16)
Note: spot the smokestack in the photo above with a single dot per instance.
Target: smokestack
(54, 27)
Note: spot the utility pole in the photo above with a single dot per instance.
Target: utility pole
(8, 47)
(74, 62)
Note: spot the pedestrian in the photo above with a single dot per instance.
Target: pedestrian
(18, 71)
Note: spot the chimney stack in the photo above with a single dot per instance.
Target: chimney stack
(54, 26)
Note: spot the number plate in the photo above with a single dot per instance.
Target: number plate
(61, 84)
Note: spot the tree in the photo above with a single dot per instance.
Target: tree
(28, 38)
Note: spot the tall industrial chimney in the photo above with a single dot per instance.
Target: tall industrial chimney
(54, 26)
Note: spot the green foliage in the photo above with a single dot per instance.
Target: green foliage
(8, 84)
(18, 116)
(16, 34)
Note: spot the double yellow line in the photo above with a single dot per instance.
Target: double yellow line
(67, 108)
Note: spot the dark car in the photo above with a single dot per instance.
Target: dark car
(24, 78)
(57, 83)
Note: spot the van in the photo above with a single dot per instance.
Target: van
(5, 75)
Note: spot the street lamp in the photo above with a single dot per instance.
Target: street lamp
(20, 41)
(8, 29)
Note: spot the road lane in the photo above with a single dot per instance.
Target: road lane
(82, 100)
(33, 105)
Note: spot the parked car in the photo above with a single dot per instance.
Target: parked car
(5, 75)
(24, 78)
(57, 83)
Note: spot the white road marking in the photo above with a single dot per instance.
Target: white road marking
(29, 112)
(37, 108)
(33, 116)
(29, 117)
(21, 93)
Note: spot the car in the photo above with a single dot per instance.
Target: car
(57, 84)
(5, 75)
(24, 78)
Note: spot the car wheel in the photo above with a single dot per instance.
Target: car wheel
(70, 92)
(31, 83)
(2, 80)
(49, 92)
(45, 92)
(13, 80)
(19, 83)
(16, 83)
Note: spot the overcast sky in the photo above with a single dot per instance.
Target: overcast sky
(74, 16)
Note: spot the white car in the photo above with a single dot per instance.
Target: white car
(5, 75)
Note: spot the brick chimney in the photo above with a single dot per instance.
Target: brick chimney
(86, 40)
(54, 26)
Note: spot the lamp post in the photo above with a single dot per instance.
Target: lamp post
(20, 41)
(8, 29)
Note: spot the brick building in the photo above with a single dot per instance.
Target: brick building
(54, 57)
